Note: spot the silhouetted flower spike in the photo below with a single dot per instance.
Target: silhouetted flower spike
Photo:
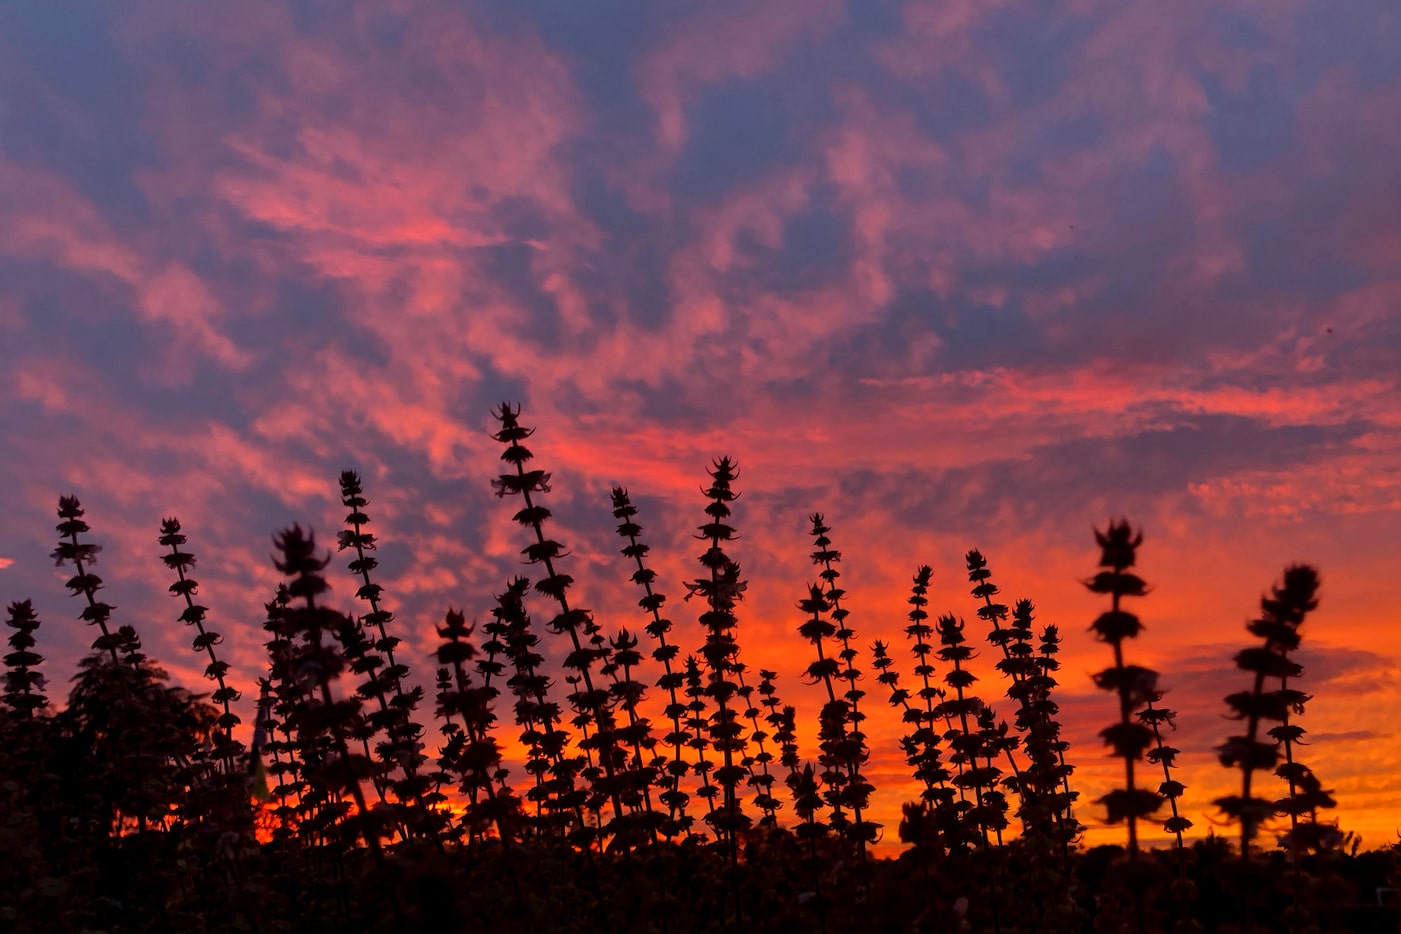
(24, 686)
(1306, 796)
(1044, 791)
(801, 779)
(722, 590)
(1132, 684)
(355, 536)
(1014, 641)
(698, 724)
(853, 751)
(360, 658)
(402, 748)
(1282, 611)
(1119, 544)
(671, 681)
(265, 741)
(984, 589)
(636, 777)
(806, 802)
(314, 663)
(930, 695)
(226, 748)
(472, 753)
(559, 802)
(920, 745)
(591, 702)
(768, 696)
(283, 698)
(920, 632)
(1155, 718)
(780, 721)
(1047, 664)
(83, 555)
(988, 813)
(832, 733)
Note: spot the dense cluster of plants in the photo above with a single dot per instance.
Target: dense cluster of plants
(136, 805)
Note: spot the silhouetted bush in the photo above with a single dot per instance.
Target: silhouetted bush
(135, 805)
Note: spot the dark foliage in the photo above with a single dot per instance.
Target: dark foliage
(136, 806)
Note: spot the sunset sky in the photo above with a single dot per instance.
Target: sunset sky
(973, 273)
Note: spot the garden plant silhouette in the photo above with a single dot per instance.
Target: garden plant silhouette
(543, 796)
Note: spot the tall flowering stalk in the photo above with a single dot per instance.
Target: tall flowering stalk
(24, 685)
(559, 802)
(134, 690)
(1047, 664)
(590, 701)
(921, 634)
(1013, 641)
(26, 751)
(722, 590)
(283, 768)
(83, 555)
(361, 659)
(990, 612)
(698, 726)
(921, 748)
(777, 729)
(1156, 718)
(831, 733)
(1045, 807)
(221, 800)
(471, 753)
(355, 536)
(770, 701)
(802, 784)
(989, 812)
(801, 779)
(1133, 685)
(1306, 795)
(281, 697)
(1165, 756)
(385, 675)
(996, 742)
(1282, 612)
(1044, 783)
(1045, 746)
(226, 748)
(759, 757)
(313, 663)
(858, 789)
(491, 666)
(635, 781)
(672, 681)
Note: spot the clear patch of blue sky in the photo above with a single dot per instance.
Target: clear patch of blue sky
(63, 55)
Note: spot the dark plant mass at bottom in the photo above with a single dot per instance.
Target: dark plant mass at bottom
(138, 805)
